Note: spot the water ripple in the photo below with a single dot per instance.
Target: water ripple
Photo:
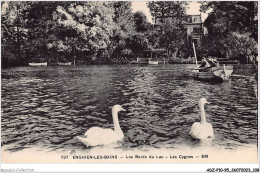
(49, 106)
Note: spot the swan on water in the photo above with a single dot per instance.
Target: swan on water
(98, 136)
(202, 130)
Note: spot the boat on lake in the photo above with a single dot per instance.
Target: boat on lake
(137, 61)
(151, 57)
(216, 73)
(144, 61)
(38, 64)
(153, 62)
(64, 63)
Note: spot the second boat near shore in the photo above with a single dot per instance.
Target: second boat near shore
(64, 63)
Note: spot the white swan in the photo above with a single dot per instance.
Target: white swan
(98, 136)
(202, 130)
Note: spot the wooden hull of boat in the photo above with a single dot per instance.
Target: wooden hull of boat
(38, 64)
(64, 63)
(206, 76)
(216, 73)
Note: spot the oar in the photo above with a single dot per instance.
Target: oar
(195, 68)
(224, 71)
(195, 54)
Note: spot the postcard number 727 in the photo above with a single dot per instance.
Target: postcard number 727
(64, 157)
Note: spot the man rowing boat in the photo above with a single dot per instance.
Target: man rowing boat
(205, 66)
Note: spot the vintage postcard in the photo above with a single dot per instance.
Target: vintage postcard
(129, 82)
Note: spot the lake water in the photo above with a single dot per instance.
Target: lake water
(47, 107)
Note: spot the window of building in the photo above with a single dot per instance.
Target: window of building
(195, 30)
(200, 31)
(195, 19)
(189, 20)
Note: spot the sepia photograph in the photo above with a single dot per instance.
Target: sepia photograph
(129, 82)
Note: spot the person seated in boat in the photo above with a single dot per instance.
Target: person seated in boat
(213, 63)
(204, 66)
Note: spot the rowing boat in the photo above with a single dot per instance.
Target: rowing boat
(64, 63)
(153, 62)
(38, 64)
(216, 73)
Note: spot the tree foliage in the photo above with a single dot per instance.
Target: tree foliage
(167, 8)
(124, 23)
(229, 16)
(63, 29)
(137, 43)
(141, 22)
(232, 26)
(171, 14)
(84, 25)
(14, 34)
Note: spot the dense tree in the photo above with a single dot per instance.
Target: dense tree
(231, 15)
(172, 38)
(141, 22)
(43, 29)
(231, 25)
(153, 37)
(63, 29)
(30, 22)
(13, 33)
(165, 9)
(137, 43)
(169, 15)
(124, 21)
(39, 23)
(84, 27)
